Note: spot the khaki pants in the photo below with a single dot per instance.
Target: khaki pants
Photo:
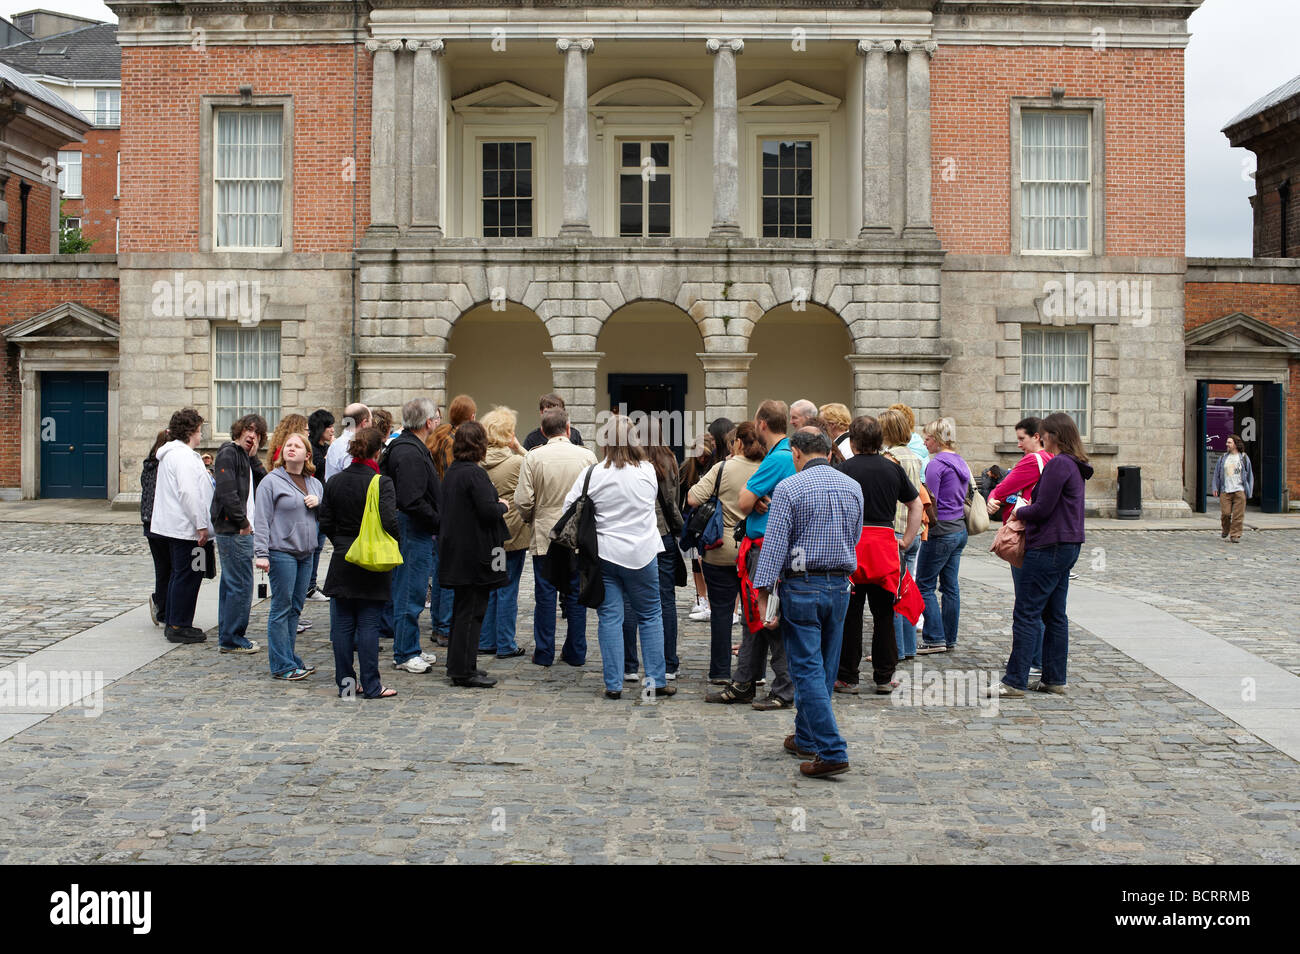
(1232, 513)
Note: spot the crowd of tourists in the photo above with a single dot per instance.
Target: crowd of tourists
(794, 527)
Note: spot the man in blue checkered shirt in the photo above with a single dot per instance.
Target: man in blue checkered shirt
(810, 546)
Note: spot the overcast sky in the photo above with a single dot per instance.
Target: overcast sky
(1240, 50)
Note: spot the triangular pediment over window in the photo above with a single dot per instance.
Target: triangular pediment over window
(67, 322)
(789, 96)
(1242, 333)
(504, 97)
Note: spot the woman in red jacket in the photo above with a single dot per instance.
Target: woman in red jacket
(1020, 482)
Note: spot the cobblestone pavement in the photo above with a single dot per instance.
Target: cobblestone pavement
(202, 758)
(1247, 593)
(59, 580)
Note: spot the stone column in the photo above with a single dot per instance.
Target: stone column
(426, 136)
(387, 379)
(383, 134)
(726, 141)
(919, 175)
(875, 138)
(576, 179)
(573, 374)
(726, 385)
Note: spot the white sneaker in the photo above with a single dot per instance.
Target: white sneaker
(414, 664)
(631, 677)
(430, 658)
(304, 626)
(735, 619)
(701, 611)
(671, 676)
(316, 596)
(1035, 672)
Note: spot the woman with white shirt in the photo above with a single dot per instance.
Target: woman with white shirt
(623, 489)
(182, 514)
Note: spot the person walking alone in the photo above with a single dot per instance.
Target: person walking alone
(1233, 484)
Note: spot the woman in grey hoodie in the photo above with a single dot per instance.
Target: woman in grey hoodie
(284, 540)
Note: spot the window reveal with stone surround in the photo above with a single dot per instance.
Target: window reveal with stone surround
(246, 374)
(1056, 373)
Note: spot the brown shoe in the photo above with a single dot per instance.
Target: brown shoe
(734, 692)
(795, 750)
(819, 769)
(770, 703)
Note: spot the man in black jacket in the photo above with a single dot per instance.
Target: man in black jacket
(236, 471)
(410, 465)
(535, 437)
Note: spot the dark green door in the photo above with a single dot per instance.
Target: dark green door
(74, 434)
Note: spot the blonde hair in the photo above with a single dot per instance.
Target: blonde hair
(500, 426)
(893, 425)
(908, 416)
(309, 465)
(943, 430)
(836, 415)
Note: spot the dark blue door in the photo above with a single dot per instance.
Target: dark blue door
(74, 434)
(1272, 449)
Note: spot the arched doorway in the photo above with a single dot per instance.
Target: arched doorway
(500, 360)
(800, 354)
(651, 365)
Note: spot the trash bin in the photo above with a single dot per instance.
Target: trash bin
(1128, 498)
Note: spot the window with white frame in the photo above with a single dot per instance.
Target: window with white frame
(645, 189)
(249, 178)
(506, 188)
(1055, 373)
(246, 374)
(70, 173)
(1055, 181)
(787, 188)
(108, 107)
(70, 224)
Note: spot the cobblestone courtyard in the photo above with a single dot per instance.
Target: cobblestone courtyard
(199, 757)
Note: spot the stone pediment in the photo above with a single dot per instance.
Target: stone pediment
(645, 93)
(789, 96)
(67, 322)
(1242, 333)
(504, 97)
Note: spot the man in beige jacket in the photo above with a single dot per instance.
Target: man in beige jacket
(545, 479)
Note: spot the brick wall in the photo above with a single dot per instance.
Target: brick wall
(98, 206)
(161, 87)
(25, 293)
(970, 92)
(1277, 305)
(38, 216)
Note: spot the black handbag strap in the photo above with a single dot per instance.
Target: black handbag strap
(717, 484)
(586, 483)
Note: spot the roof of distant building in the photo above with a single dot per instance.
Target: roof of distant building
(12, 77)
(1278, 96)
(87, 53)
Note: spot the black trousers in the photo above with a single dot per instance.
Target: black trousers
(723, 584)
(188, 566)
(468, 608)
(884, 646)
(161, 552)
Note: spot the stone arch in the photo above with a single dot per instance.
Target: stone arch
(499, 353)
(800, 352)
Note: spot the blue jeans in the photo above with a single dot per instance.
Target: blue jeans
(1037, 661)
(410, 582)
(812, 625)
(498, 634)
(723, 584)
(1040, 608)
(315, 558)
(235, 592)
(938, 563)
(668, 612)
(905, 631)
(354, 631)
(544, 599)
(289, 577)
(641, 588)
(440, 599)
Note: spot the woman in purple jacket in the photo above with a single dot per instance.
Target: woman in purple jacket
(947, 478)
(1053, 538)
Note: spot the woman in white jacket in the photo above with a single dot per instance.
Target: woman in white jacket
(182, 514)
